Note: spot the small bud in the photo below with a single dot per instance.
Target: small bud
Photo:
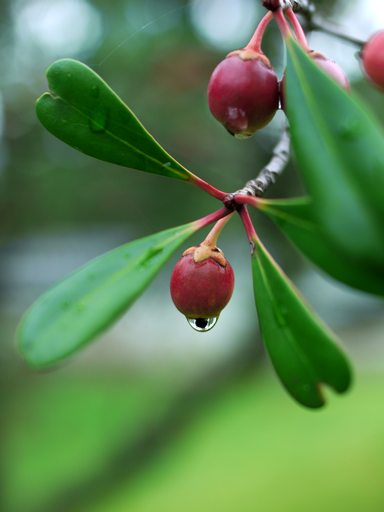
(243, 92)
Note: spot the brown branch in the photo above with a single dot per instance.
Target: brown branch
(307, 9)
(322, 25)
(274, 168)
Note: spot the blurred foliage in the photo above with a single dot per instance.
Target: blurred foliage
(69, 443)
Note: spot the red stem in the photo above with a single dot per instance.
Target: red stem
(210, 189)
(212, 217)
(251, 233)
(244, 199)
(282, 23)
(300, 34)
(213, 235)
(257, 38)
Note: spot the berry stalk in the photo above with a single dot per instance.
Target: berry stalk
(282, 24)
(257, 38)
(213, 236)
(299, 32)
(212, 217)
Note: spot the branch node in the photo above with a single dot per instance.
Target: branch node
(268, 175)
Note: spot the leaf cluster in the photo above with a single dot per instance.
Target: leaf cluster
(338, 147)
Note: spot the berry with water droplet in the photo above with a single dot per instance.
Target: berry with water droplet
(328, 66)
(201, 285)
(243, 92)
(372, 58)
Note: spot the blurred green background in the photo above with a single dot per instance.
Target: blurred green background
(154, 416)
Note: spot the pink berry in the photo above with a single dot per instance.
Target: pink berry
(243, 92)
(373, 59)
(201, 284)
(331, 68)
(328, 66)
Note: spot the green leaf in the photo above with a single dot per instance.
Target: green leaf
(83, 111)
(339, 148)
(90, 300)
(296, 219)
(303, 351)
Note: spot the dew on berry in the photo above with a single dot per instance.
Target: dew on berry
(202, 324)
(201, 285)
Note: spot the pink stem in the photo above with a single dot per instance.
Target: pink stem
(210, 189)
(282, 23)
(300, 34)
(251, 233)
(213, 235)
(244, 199)
(212, 217)
(257, 38)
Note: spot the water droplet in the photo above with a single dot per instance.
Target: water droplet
(167, 164)
(98, 123)
(202, 324)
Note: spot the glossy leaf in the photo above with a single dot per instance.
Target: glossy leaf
(303, 351)
(339, 149)
(88, 301)
(296, 219)
(83, 111)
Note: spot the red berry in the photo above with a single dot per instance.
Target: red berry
(373, 59)
(201, 284)
(243, 92)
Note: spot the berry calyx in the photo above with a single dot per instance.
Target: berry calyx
(372, 58)
(202, 284)
(243, 92)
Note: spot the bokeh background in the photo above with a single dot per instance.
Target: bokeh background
(154, 416)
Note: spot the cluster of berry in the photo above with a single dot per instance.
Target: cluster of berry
(244, 94)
